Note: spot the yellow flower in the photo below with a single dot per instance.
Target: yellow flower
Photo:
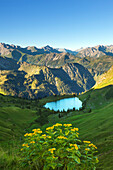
(86, 141)
(58, 124)
(30, 134)
(97, 160)
(95, 147)
(25, 144)
(75, 146)
(26, 134)
(39, 131)
(92, 145)
(74, 129)
(36, 129)
(52, 149)
(32, 142)
(50, 128)
(77, 133)
(44, 135)
(71, 144)
(68, 125)
(22, 149)
(61, 137)
(87, 149)
(53, 156)
(49, 137)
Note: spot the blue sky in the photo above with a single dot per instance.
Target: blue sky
(68, 24)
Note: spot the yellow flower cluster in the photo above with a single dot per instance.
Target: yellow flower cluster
(61, 137)
(25, 144)
(86, 141)
(37, 131)
(34, 130)
(26, 134)
(52, 127)
(30, 134)
(92, 145)
(52, 149)
(32, 142)
(75, 146)
(67, 125)
(57, 124)
(44, 135)
(74, 129)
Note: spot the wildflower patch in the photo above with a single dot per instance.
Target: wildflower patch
(58, 148)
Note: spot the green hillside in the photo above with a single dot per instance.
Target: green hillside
(94, 122)
(18, 115)
(15, 116)
(105, 79)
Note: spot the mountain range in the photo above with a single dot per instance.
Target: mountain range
(33, 72)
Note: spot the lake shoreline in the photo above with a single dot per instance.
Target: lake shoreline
(64, 104)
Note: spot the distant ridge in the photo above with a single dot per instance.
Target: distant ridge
(96, 51)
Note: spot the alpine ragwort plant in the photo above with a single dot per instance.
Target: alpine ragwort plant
(58, 148)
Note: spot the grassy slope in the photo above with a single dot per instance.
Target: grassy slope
(96, 126)
(105, 79)
(20, 115)
(14, 120)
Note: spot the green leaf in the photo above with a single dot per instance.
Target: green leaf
(59, 165)
(78, 153)
(76, 159)
(70, 157)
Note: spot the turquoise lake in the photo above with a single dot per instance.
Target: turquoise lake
(64, 104)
